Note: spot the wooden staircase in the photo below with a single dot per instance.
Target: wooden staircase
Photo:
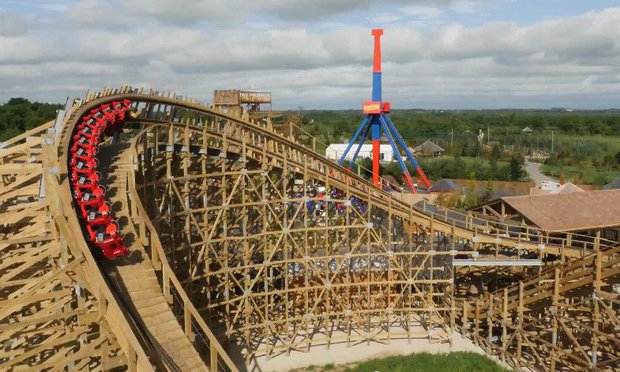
(135, 276)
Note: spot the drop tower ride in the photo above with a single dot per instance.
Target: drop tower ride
(377, 121)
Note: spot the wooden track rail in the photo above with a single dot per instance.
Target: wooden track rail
(260, 246)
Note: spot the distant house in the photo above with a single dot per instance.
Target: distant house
(527, 130)
(552, 187)
(335, 151)
(445, 185)
(428, 148)
(615, 184)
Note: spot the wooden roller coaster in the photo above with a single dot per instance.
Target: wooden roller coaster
(241, 239)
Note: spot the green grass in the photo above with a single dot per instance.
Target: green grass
(468, 160)
(613, 141)
(425, 362)
(575, 174)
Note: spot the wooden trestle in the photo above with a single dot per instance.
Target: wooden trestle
(245, 240)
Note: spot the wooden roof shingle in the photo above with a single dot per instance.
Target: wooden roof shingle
(576, 211)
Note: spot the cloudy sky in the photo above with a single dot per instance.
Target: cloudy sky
(317, 53)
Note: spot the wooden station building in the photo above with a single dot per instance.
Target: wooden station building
(595, 213)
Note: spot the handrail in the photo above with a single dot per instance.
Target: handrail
(150, 239)
(502, 229)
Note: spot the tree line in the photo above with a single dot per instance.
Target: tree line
(19, 115)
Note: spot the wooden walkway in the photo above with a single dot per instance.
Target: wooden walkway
(135, 276)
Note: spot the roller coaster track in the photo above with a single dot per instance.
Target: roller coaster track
(235, 248)
(566, 318)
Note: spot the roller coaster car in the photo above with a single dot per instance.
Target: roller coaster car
(99, 207)
(88, 128)
(91, 124)
(110, 117)
(83, 161)
(121, 107)
(86, 183)
(105, 121)
(102, 232)
(86, 141)
(120, 114)
(89, 194)
(96, 113)
(82, 176)
(117, 117)
(99, 215)
(84, 149)
(113, 248)
(121, 104)
(91, 138)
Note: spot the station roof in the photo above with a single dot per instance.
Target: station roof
(445, 185)
(575, 211)
(428, 147)
(615, 184)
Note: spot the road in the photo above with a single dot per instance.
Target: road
(533, 170)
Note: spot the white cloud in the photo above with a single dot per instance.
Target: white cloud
(55, 5)
(424, 12)
(467, 6)
(12, 24)
(327, 64)
(19, 49)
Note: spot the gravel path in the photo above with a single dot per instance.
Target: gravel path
(533, 170)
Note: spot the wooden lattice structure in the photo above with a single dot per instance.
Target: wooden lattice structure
(252, 241)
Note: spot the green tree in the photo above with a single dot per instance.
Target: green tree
(516, 171)
(495, 152)
(366, 167)
(19, 115)
(471, 194)
(488, 191)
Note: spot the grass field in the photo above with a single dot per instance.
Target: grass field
(469, 160)
(590, 175)
(613, 141)
(421, 362)
(424, 362)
